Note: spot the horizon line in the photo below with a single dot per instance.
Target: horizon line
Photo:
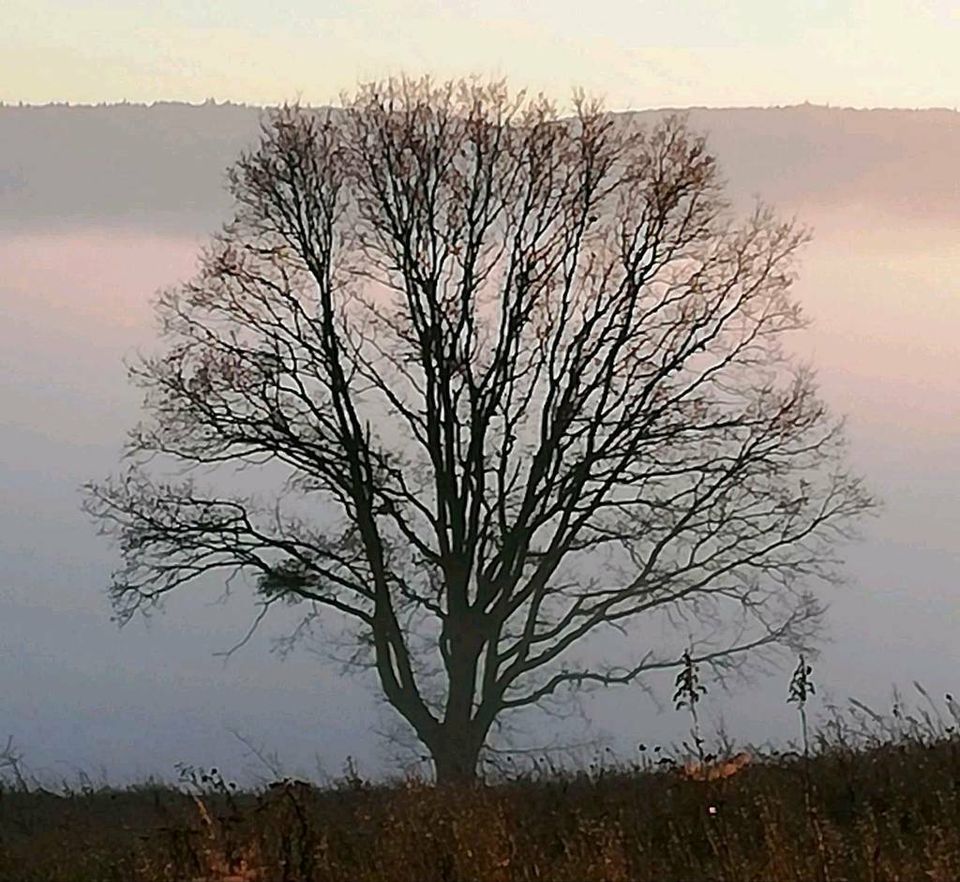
(213, 102)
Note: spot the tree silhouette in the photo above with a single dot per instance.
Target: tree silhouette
(532, 371)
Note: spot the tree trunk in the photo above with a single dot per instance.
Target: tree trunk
(455, 759)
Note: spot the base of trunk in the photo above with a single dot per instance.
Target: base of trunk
(456, 769)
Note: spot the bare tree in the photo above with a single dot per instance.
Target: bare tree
(530, 368)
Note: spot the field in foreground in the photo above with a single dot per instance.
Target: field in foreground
(881, 806)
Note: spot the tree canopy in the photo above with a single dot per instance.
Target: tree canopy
(532, 371)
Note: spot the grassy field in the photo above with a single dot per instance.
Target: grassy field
(876, 798)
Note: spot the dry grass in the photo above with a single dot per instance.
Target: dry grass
(878, 800)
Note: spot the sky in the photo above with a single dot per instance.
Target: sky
(634, 53)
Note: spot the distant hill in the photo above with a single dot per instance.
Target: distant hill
(162, 165)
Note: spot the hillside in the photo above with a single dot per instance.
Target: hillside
(162, 165)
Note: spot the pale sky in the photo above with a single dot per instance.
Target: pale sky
(634, 53)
